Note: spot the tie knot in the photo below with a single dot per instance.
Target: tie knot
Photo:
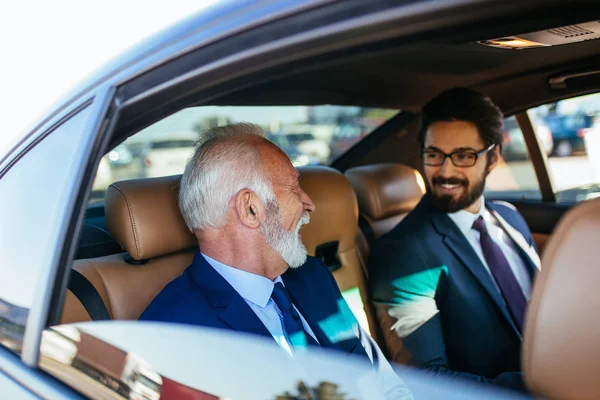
(281, 297)
(479, 225)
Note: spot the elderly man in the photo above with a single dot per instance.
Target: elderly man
(241, 197)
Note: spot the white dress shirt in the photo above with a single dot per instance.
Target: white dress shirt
(256, 291)
(464, 221)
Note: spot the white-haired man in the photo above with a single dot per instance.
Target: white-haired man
(241, 197)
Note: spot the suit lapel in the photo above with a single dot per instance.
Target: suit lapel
(230, 306)
(462, 249)
(528, 253)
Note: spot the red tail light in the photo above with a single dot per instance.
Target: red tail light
(506, 138)
(147, 162)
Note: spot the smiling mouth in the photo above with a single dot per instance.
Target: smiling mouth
(449, 186)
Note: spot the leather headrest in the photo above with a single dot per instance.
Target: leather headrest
(336, 212)
(143, 217)
(561, 346)
(386, 190)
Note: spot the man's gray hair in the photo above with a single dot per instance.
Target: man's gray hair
(222, 165)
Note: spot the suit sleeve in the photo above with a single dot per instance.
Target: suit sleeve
(404, 286)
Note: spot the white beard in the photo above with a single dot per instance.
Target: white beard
(286, 243)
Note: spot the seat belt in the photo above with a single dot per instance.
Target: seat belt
(367, 230)
(89, 297)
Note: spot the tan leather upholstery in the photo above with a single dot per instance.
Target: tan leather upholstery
(336, 219)
(540, 239)
(386, 193)
(126, 289)
(143, 216)
(561, 346)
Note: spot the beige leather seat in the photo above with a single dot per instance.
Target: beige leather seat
(143, 217)
(561, 347)
(386, 193)
(335, 223)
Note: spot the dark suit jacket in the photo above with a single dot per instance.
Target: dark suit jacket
(426, 262)
(201, 296)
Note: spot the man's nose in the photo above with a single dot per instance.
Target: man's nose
(307, 202)
(447, 168)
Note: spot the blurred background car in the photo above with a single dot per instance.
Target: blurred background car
(568, 132)
(120, 156)
(104, 176)
(514, 147)
(168, 156)
(344, 137)
(296, 157)
(307, 144)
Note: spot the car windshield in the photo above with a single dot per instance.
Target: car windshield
(309, 135)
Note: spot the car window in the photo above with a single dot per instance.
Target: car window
(309, 135)
(569, 132)
(575, 159)
(41, 175)
(514, 176)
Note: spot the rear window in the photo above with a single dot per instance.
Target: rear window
(309, 135)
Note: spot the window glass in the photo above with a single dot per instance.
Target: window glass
(32, 192)
(575, 158)
(569, 133)
(309, 135)
(514, 176)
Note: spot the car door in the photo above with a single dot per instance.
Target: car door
(39, 183)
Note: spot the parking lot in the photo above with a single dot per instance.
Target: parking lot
(566, 172)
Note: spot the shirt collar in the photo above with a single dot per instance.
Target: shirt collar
(254, 288)
(464, 220)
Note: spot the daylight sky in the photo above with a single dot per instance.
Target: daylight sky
(48, 47)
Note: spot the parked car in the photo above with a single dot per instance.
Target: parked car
(397, 55)
(310, 146)
(568, 132)
(344, 137)
(297, 158)
(514, 143)
(168, 156)
(120, 156)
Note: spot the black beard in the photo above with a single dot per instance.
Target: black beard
(448, 204)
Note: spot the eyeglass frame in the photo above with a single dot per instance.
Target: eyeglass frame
(477, 154)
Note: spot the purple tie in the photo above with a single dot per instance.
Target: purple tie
(503, 274)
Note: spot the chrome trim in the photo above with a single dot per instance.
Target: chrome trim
(38, 313)
(33, 380)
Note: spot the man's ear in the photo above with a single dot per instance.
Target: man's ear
(494, 158)
(249, 208)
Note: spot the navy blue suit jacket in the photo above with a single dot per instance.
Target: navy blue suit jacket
(426, 262)
(201, 296)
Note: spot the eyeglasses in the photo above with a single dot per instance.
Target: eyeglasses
(461, 158)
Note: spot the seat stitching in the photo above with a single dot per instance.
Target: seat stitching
(133, 224)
